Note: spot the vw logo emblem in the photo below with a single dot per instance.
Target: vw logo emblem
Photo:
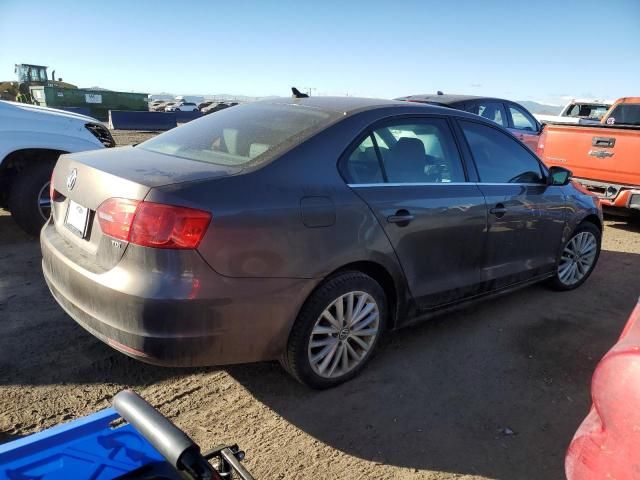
(71, 179)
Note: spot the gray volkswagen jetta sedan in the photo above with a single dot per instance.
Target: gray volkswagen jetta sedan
(304, 230)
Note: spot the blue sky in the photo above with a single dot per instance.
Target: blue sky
(542, 50)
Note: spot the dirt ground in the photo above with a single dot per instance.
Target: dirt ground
(494, 391)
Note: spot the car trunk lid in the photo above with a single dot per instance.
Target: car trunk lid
(83, 181)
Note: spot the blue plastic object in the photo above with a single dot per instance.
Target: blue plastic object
(148, 121)
(86, 448)
(184, 117)
(80, 110)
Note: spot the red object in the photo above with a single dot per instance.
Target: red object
(607, 444)
(115, 216)
(153, 224)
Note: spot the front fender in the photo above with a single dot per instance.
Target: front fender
(12, 141)
(581, 204)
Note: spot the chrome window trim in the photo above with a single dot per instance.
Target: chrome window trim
(395, 184)
(391, 184)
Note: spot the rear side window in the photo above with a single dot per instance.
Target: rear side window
(500, 158)
(422, 151)
(238, 136)
(625, 114)
(521, 119)
(493, 111)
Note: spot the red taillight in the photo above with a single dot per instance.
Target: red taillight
(153, 224)
(168, 226)
(115, 216)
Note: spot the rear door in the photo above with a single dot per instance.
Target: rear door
(523, 125)
(526, 216)
(411, 174)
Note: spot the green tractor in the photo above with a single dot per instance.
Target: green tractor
(29, 75)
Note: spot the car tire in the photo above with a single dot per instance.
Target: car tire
(24, 198)
(356, 341)
(578, 257)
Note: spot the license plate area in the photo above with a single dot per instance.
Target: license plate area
(77, 219)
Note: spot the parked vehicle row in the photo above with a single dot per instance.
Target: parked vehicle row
(321, 222)
(185, 106)
(216, 106)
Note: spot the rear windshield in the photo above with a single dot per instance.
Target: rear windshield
(591, 110)
(625, 114)
(240, 134)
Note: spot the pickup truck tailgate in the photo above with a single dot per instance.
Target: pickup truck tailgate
(602, 153)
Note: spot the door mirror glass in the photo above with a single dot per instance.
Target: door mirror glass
(558, 176)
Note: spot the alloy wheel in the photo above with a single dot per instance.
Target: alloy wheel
(44, 202)
(577, 258)
(344, 334)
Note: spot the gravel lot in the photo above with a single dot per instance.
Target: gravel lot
(494, 391)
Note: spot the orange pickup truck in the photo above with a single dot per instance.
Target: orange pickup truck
(605, 158)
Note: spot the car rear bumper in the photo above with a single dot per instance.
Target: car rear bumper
(613, 195)
(188, 316)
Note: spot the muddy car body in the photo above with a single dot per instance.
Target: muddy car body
(294, 229)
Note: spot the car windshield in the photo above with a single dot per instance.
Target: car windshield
(239, 135)
(625, 114)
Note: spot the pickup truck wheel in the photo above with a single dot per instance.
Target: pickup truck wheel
(337, 330)
(29, 201)
(578, 258)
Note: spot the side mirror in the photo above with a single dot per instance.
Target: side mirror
(558, 176)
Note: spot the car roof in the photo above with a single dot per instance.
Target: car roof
(348, 105)
(446, 99)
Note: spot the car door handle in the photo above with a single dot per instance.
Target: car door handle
(402, 218)
(499, 210)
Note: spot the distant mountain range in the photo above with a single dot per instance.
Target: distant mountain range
(540, 108)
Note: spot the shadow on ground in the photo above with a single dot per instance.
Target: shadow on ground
(497, 390)
(11, 233)
(628, 225)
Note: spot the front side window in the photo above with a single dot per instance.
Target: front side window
(521, 120)
(420, 151)
(237, 136)
(493, 111)
(500, 158)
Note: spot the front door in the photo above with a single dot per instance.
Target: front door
(526, 216)
(411, 175)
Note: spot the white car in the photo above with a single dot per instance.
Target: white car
(31, 140)
(182, 107)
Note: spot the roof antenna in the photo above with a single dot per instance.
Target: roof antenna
(439, 92)
(298, 94)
